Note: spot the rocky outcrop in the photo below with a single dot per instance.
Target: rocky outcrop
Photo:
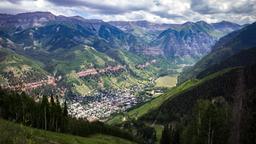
(94, 71)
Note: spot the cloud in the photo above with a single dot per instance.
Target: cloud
(164, 11)
(106, 6)
(223, 6)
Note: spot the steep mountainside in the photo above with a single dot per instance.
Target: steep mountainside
(223, 49)
(244, 58)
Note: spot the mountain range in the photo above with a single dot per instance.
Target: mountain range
(65, 46)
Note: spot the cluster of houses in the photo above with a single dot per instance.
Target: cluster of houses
(103, 104)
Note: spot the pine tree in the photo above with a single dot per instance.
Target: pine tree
(64, 117)
(165, 139)
(59, 116)
(45, 112)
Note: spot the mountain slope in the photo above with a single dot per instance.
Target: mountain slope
(243, 58)
(18, 70)
(223, 49)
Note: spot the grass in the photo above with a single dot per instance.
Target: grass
(159, 129)
(18, 134)
(166, 81)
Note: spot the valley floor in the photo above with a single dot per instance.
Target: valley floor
(166, 81)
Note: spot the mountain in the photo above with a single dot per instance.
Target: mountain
(226, 47)
(48, 30)
(53, 32)
(244, 58)
(226, 26)
(183, 41)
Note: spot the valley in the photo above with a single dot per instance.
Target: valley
(115, 81)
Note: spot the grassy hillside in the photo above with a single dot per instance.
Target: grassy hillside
(15, 68)
(17, 134)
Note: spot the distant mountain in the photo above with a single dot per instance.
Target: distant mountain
(226, 47)
(226, 26)
(48, 30)
(183, 41)
(52, 32)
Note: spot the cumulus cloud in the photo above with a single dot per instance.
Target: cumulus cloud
(165, 11)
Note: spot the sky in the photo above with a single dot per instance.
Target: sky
(158, 11)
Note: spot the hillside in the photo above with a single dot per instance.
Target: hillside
(21, 73)
(17, 134)
(226, 47)
(243, 58)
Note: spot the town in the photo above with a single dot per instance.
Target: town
(103, 104)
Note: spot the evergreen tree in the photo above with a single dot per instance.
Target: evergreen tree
(45, 112)
(52, 114)
(59, 117)
(165, 139)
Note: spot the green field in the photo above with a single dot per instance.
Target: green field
(18, 134)
(166, 81)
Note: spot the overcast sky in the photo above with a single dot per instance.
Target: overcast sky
(161, 11)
